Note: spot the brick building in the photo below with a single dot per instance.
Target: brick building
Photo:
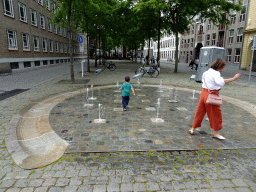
(28, 37)
(206, 34)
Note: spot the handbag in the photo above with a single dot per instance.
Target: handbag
(213, 99)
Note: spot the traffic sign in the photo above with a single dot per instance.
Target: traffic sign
(80, 39)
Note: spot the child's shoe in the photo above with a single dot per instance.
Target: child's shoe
(124, 109)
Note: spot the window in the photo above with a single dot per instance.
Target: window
(41, 2)
(185, 43)
(61, 47)
(33, 17)
(60, 31)
(54, 7)
(213, 38)
(25, 41)
(229, 52)
(51, 46)
(64, 32)
(55, 29)
(42, 22)
(231, 36)
(181, 44)
(22, 12)
(36, 43)
(48, 5)
(188, 42)
(233, 20)
(49, 25)
(8, 8)
(44, 42)
(65, 48)
(237, 56)
(12, 40)
(239, 35)
(242, 14)
(56, 47)
(208, 37)
(209, 26)
(192, 42)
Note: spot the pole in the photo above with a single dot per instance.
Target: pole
(253, 46)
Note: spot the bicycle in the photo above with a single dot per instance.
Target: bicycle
(152, 72)
(110, 65)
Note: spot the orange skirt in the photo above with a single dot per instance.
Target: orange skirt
(213, 112)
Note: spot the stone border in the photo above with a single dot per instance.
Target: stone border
(32, 143)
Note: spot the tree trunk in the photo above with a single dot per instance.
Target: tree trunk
(96, 46)
(70, 44)
(88, 48)
(148, 51)
(158, 39)
(176, 52)
(99, 49)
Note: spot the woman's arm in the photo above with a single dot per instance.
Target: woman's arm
(233, 78)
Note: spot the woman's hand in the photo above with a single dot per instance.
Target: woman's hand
(237, 76)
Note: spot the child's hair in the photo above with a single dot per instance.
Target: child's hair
(127, 78)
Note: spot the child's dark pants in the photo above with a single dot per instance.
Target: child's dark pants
(125, 101)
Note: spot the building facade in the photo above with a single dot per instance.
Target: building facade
(249, 32)
(207, 34)
(29, 38)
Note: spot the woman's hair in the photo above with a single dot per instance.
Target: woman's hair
(218, 64)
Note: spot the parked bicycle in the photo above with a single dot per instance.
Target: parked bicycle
(152, 71)
(109, 65)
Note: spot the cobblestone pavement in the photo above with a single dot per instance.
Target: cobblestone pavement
(183, 170)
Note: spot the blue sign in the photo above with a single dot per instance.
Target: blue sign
(80, 39)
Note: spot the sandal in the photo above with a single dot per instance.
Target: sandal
(191, 131)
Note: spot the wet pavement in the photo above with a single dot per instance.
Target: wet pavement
(136, 129)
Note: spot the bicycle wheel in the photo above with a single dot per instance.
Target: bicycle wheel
(154, 73)
(112, 67)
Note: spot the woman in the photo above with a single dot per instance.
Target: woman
(214, 82)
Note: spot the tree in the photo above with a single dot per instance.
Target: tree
(180, 14)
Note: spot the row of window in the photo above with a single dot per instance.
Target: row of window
(188, 55)
(53, 46)
(8, 10)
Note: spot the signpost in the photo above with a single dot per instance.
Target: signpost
(81, 50)
(253, 49)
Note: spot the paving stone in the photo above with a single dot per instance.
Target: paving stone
(243, 189)
(153, 178)
(213, 176)
(41, 189)
(215, 184)
(13, 190)
(165, 186)
(22, 183)
(117, 165)
(89, 180)
(239, 183)
(86, 188)
(203, 184)
(10, 175)
(204, 190)
(2, 175)
(108, 172)
(102, 180)
(225, 175)
(156, 171)
(178, 185)
(139, 187)
(127, 179)
(58, 167)
(96, 173)
(152, 186)
(72, 173)
(30, 189)
(55, 189)
(140, 178)
(60, 174)
(250, 182)
(133, 171)
(218, 190)
(84, 173)
(177, 176)
(70, 166)
(191, 185)
(227, 183)
(48, 174)
(7, 183)
(62, 182)
(165, 178)
(114, 179)
(189, 176)
(128, 164)
(100, 188)
(113, 187)
(36, 183)
(230, 190)
(71, 188)
(23, 174)
(49, 182)
(126, 187)
(36, 175)
(121, 171)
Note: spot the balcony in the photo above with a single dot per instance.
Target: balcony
(221, 28)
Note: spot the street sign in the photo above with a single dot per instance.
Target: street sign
(254, 43)
(80, 39)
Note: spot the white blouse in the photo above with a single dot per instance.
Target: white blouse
(212, 79)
